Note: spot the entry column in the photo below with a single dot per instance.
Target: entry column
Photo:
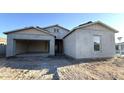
(10, 48)
(52, 47)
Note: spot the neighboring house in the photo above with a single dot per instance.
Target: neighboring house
(118, 49)
(89, 40)
(2, 40)
(2, 46)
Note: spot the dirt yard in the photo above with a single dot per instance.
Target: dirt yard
(60, 68)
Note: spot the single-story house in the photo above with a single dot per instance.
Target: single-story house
(88, 40)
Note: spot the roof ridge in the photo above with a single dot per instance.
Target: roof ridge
(19, 29)
(56, 25)
(25, 28)
(99, 22)
(86, 23)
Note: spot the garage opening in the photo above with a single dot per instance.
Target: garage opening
(31, 47)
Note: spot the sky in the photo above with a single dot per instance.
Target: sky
(12, 21)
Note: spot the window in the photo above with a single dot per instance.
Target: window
(56, 30)
(97, 43)
(122, 46)
(117, 47)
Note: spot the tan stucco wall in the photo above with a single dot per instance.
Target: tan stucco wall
(30, 31)
(96, 27)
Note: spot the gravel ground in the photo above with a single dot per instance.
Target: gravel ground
(60, 68)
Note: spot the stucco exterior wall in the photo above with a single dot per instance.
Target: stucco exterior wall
(30, 31)
(97, 27)
(60, 34)
(70, 45)
(12, 37)
(85, 44)
(82, 46)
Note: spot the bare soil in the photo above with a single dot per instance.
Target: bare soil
(60, 68)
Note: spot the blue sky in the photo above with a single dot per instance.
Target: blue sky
(11, 21)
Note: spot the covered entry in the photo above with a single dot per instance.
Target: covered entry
(31, 46)
(58, 47)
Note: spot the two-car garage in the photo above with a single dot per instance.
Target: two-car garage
(30, 40)
(31, 46)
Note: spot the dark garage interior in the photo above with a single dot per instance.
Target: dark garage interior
(31, 46)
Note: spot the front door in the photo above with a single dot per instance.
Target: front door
(58, 47)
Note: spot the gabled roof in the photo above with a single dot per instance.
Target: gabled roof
(26, 28)
(56, 26)
(97, 22)
(89, 24)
